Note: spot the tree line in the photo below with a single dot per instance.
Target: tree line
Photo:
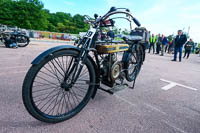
(30, 14)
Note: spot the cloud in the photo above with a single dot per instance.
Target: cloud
(167, 17)
(164, 16)
(69, 3)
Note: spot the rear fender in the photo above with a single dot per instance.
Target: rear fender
(127, 54)
(144, 47)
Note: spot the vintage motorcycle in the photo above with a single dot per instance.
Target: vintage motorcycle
(62, 79)
(17, 37)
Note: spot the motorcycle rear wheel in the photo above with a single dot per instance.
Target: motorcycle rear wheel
(22, 41)
(135, 62)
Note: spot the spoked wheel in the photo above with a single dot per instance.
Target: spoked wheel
(135, 63)
(22, 41)
(49, 98)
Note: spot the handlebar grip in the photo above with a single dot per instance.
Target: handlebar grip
(136, 22)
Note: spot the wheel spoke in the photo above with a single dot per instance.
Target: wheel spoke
(68, 97)
(46, 80)
(79, 95)
(44, 89)
(48, 96)
(74, 103)
(48, 102)
(59, 64)
(52, 109)
(55, 72)
(66, 103)
(55, 68)
(49, 75)
(75, 95)
(59, 104)
(43, 84)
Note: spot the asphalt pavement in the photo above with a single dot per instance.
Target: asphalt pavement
(165, 99)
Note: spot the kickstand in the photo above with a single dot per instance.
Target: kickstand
(133, 84)
(108, 91)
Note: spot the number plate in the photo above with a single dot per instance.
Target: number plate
(90, 33)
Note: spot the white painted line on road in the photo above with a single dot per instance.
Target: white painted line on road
(145, 104)
(173, 84)
(173, 126)
(155, 108)
(124, 100)
(169, 86)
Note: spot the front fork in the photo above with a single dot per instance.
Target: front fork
(77, 67)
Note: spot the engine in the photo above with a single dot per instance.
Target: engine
(111, 69)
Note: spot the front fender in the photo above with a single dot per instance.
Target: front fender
(46, 53)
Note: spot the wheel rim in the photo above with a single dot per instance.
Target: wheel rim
(22, 41)
(50, 97)
(132, 65)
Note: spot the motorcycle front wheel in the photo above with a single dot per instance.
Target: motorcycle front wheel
(45, 94)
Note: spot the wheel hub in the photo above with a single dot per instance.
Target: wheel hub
(65, 86)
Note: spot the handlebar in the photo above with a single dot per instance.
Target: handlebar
(88, 19)
(136, 22)
(112, 11)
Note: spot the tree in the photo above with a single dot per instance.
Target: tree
(27, 14)
(30, 14)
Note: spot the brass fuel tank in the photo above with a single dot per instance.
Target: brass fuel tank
(107, 49)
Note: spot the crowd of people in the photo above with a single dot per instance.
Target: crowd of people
(162, 44)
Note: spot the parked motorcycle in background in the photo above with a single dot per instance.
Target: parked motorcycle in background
(14, 38)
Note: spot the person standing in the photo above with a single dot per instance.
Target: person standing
(188, 48)
(152, 41)
(164, 43)
(179, 42)
(158, 44)
(110, 34)
(103, 35)
(170, 44)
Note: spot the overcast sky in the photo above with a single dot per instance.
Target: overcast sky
(158, 16)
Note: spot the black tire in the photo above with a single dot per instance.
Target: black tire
(135, 62)
(78, 91)
(25, 40)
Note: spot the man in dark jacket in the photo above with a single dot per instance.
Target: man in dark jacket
(188, 48)
(110, 34)
(179, 42)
